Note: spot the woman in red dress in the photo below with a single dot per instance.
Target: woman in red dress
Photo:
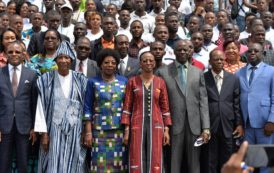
(146, 118)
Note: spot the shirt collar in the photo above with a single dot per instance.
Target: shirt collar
(125, 59)
(221, 74)
(19, 67)
(105, 41)
(178, 65)
(249, 66)
(85, 61)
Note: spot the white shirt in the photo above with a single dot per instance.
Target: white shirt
(78, 16)
(203, 57)
(216, 33)
(169, 57)
(40, 124)
(125, 60)
(147, 21)
(221, 74)
(122, 31)
(93, 37)
(182, 32)
(185, 7)
(210, 47)
(67, 31)
(153, 14)
(18, 72)
(85, 66)
(244, 34)
(269, 35)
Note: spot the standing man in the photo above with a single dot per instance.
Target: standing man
(257, 93)
(17, 102)
(128, 66)
(223, 91)
(66, 25)
(189, 109)
(83, 64)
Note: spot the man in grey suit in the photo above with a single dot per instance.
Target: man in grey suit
(189, 110)
(83, 64)
(17, 110)
(128, 66)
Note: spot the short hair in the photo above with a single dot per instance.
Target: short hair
(152, 43)
(168, 15)
(201, 20)
(237, 43)
(144, 52)
(11, 2)
(37, 13)
(18, 42)
(81, 39)
(135, 22)
(249, 14)
(4, 14)
(105, 53)
(111, 4)
(119, 35)
(214, 50)
(17, 35)
(52, 13)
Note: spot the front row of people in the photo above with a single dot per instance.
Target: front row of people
(117, 118)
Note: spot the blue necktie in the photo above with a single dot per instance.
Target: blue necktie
(253, 68)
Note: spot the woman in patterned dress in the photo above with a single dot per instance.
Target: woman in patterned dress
(44, 62)
(146, 118)
(102, 114)
(232, 53)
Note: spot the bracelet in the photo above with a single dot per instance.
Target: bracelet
(88, 133)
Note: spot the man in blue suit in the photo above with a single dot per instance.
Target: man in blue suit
(257, 97)
(17, 109)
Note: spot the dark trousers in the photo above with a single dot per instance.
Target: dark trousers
(146, 145)
(220, 149)
(14, 142)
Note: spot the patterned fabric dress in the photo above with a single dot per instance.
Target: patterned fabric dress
(41, 64)
(103, 106)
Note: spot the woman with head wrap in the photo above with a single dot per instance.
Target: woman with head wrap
(59, 116)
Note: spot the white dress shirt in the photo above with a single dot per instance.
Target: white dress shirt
(147, 20)
(125, 60)
(18, 72)
(220, 80)
(67, 31)
(85, 66)
(40, 124)
(203, 57)
(93, 37)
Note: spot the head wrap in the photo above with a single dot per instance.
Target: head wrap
(65, 49)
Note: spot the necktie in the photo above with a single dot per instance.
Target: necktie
(252, 74)
(81, 66)
(218, 82)
(122, 67)
(14, 81)
(183, 77)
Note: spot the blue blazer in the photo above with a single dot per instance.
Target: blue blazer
(20, 107)
(257, 100)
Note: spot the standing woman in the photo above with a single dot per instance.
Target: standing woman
(7, 36)
(102, 115)
(44, 62)
(147, 118)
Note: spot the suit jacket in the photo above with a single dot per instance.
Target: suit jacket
(36, 44)
(224, 107)
(92, 69)
(96, 46)
(192, 103)
(22, 106)
(131, 68)
(257, 100)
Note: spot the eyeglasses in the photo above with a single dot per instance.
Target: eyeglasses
(50, 38)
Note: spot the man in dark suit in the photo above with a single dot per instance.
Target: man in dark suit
(223, 92)
(189, 109)
(82, 64)
(128, 66)
(17, 109)
(36, 42)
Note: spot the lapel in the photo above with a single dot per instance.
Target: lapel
(258, 73)
(174, 73)
(225, 81)
(7, 77)
(212, 83)
(23, 78)
(244, 75)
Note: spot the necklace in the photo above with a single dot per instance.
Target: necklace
(147, 82)
(108, 80)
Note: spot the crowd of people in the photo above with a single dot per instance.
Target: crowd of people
(142, 86)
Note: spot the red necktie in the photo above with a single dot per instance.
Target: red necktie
(81, 68)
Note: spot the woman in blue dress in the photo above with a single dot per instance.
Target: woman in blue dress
(102, 114)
